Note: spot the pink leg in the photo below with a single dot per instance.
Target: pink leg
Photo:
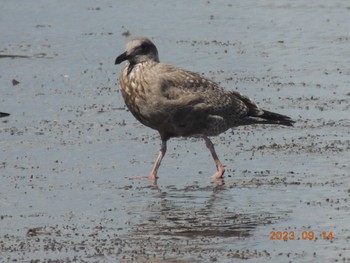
(219, 166)
(162, 151)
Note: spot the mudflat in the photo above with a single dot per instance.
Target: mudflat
(69, 147)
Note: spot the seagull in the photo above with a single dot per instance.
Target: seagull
(180, 103)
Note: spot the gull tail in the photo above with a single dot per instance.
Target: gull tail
(276, 118)
(3, 114)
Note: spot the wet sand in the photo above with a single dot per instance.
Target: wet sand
(69, 146)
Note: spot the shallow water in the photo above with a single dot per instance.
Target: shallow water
(69, 147)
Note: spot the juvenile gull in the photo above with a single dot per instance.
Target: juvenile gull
(177, 102)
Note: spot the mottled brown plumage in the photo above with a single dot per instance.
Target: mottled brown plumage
(177, 102)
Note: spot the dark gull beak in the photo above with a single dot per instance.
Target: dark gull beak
(121, 58)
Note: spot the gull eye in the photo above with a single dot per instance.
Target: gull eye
(144, 47)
